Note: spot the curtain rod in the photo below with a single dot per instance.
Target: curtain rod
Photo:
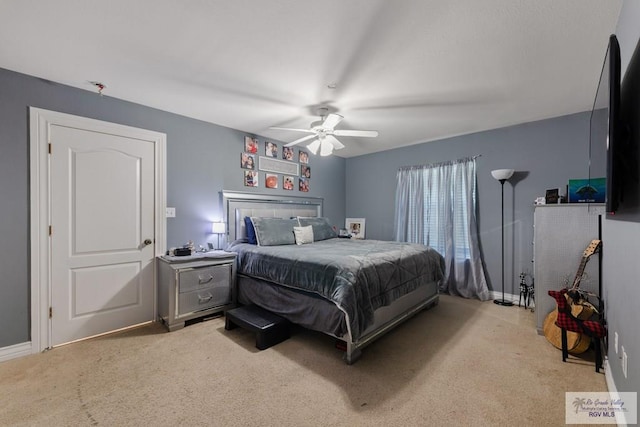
(433, 165)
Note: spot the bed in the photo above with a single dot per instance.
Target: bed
(353, 290)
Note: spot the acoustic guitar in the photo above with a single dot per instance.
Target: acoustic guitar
(581, 308)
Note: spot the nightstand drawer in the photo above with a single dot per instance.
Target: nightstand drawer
(201, 299)
(204, 277)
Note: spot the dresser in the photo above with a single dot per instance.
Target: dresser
(561, 234)
(194, 286)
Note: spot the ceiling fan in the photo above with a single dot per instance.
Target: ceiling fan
(325, 134)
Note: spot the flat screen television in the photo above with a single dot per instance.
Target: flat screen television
(615, 124)
(605, 128)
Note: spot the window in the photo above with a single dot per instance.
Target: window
(436, 206)
(442, 201)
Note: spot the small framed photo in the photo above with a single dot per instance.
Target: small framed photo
(305, 171)
(271, 180)
(552, 196)
(288, 182)
(271, 149)
(251, 145)
(287, 153)
(303, 185)
(250, 178)
(247, 161)
(303, 157)
(355, 227)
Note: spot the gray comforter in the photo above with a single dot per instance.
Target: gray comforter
(357, 275)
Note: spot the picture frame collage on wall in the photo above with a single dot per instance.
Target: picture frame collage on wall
(277, 172)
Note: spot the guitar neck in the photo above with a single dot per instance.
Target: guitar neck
(591, 249)
(579, 273)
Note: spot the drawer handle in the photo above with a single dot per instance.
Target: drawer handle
(202, 281)
(202, 299)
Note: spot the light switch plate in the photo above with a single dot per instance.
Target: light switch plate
(171, 212)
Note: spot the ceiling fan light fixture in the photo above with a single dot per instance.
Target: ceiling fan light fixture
(326, 148)
(313, 147)
(325, 132)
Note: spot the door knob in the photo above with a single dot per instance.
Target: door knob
(147, 242)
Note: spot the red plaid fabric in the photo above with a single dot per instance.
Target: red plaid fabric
(567, 321)
(594, 329)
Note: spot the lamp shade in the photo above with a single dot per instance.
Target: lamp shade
(501, 174)
(218, 228)
(314, 146)
(326, 148)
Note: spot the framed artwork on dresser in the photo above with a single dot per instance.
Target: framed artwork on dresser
(355, 227)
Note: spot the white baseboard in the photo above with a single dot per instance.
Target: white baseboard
(509, 297)
(611, 386)
(15, 351)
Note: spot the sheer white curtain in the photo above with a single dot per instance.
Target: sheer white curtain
(436, 206)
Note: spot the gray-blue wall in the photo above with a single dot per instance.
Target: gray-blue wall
(202, 160)
(545, 154)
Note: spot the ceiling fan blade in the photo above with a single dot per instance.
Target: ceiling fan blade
(361, 133)
(336, 144)
(298, 141)
(331, 121)
(293, 129)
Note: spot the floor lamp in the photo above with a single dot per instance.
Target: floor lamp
(502, 175)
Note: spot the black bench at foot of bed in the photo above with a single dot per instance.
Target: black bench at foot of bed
(270, 328)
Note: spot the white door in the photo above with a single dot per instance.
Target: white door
(102, 238)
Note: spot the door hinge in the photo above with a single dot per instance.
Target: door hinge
(50, 312)
(50, 230)
(50, 148)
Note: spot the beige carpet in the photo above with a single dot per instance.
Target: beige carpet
(464, 362)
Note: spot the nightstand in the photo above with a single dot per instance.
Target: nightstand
(195, 286)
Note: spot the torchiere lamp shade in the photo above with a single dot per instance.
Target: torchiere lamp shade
(501, 174)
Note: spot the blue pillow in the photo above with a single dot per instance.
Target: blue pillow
(251, 232)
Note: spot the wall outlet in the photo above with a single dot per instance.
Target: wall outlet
(615, 341)
(624, 362)
(171, 212)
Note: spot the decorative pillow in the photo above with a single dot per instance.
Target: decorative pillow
(303, 235)
(274, 231)
(251, 232)
(322, 228)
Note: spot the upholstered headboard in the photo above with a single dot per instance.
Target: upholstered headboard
(237, 205)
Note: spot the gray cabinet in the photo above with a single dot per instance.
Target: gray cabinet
(561, 235)
(194, 286)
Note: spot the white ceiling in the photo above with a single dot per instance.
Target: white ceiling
(415, 70)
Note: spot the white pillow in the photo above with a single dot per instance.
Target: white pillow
(303, 234)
